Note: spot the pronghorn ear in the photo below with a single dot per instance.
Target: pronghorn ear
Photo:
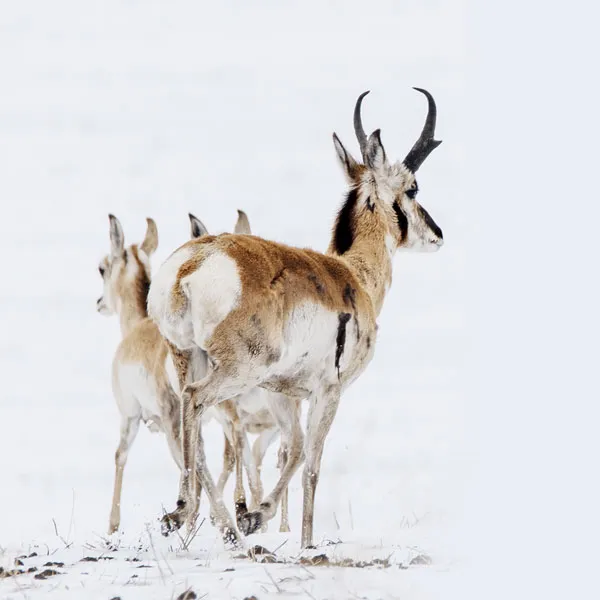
(375, 154)
(150, 243)
(117, 239)
(197, 228)
(348, 163)
(242, 225)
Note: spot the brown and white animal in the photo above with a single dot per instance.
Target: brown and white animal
(290, 320)
(140, 373)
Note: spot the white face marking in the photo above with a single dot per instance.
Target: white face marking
(390, 245)
(109, 303)
(396, 185)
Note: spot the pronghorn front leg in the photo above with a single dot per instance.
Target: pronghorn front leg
(287, 416)
(282, 458)
(321, 412)
(129, 429)
(239, 442)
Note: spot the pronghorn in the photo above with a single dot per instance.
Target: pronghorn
(290, 320)
(141, 381)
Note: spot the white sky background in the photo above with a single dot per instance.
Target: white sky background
(526, 204)
(532, 169)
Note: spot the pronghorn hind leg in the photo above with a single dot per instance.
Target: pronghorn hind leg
(187, 502)
(195, 398)
(129, 430)
(321, 413)
(286, 414)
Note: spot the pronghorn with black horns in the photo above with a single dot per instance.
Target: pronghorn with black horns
(290, 320)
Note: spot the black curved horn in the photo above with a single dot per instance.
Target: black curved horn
(425, 144)
(361, 136)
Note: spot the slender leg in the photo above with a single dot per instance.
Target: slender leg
(253, 459)
(241, 507)
(284, 527)
(229, 410)
(320, 417)
(216, 387)
(253, 465)
(223, 521)
(188, 488)
(286, 414)
(262, 444)
(129, 429)
(171, 417)
(228, 464)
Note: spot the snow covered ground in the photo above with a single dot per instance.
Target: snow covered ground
(157, 109)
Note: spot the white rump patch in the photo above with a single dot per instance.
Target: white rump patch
(171, 326)
(213, 291)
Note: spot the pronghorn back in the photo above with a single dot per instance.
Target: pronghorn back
(280, 302)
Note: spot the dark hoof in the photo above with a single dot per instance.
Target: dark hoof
(241, 509)
(250, 522)
(169, 523)
(231, 539)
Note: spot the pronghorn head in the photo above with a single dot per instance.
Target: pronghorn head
(387, 188)
(125, 271)
(197, 228)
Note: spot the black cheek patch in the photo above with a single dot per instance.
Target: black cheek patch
(431, 223)
(402, 220)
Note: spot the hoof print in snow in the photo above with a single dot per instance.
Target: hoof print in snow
(18, 562)
(46, 573)
(89, 559)
(250, 598)
(228, 570)
(187, 595)
(54, 564)
(421, 559)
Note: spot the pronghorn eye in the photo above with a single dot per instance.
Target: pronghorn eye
(412, 191)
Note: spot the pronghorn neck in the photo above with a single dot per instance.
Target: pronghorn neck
(361, 239)
(131, 314)
(134, 296)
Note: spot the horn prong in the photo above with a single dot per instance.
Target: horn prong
(426, 142)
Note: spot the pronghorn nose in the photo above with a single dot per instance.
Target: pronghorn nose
(99, 302)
